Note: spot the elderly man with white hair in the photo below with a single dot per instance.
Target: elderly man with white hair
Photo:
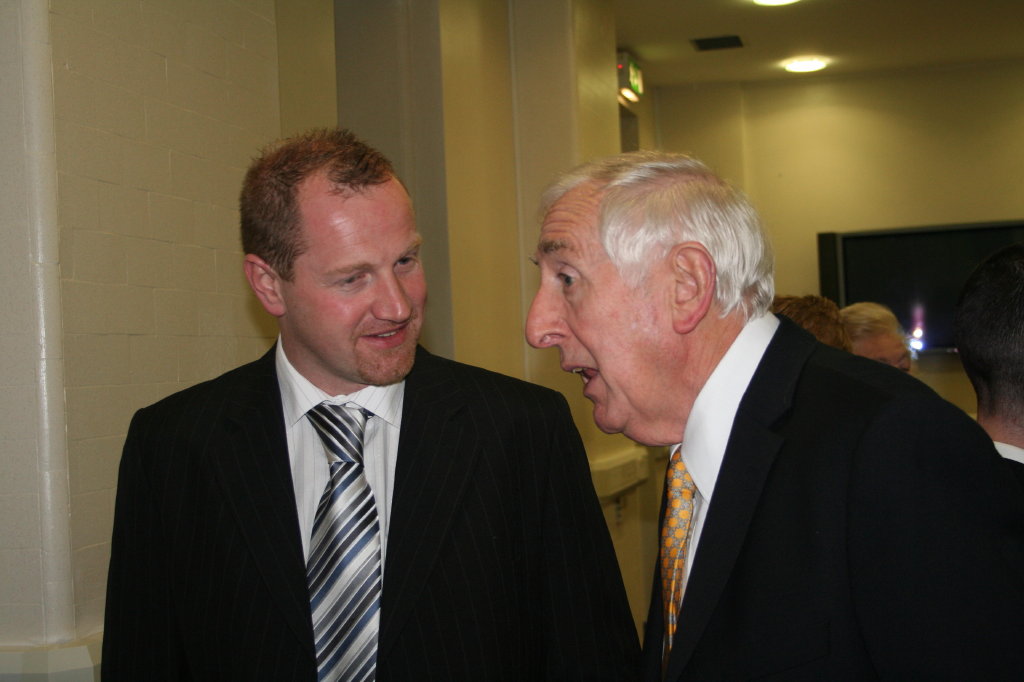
(825, 517)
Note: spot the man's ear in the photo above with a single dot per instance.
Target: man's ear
(694, 272)
(265, 283)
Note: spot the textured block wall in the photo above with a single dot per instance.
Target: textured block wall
(160, 104)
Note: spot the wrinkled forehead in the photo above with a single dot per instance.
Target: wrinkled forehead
(572, 220)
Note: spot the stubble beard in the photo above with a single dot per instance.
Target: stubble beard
(384, 368)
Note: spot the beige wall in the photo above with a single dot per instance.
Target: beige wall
(706, 121)
(158, 107)
(597, 118)
(306, 75)
(839, 154)
(481, 173)
(920, 148)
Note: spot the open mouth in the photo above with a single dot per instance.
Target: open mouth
(585, 373)
(386, 338)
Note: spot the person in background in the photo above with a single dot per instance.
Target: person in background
(816, 314)
(989, 336)
(875, 333)
(824, 517)
(349, 506)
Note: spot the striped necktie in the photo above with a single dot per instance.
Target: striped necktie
(344, 567)
(676, 529)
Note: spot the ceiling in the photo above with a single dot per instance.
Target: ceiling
(858, 35)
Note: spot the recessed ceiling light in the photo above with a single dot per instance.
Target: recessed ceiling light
(805, 64)
(774, 3)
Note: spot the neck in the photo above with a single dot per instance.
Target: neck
(704, 349)
(1001, 429)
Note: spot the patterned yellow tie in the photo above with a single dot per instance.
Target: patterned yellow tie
(675, 536)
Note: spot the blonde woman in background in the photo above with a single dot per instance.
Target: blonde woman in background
(875, 333)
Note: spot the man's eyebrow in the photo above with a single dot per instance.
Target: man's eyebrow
(348, 270)
(551, 246)
(366, 266)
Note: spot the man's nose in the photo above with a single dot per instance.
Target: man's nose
(393, 301)
(542, 327)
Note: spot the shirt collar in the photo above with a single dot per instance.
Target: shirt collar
(710, 422)
(299, 395)
(1010, 451)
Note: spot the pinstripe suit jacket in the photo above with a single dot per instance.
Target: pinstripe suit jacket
(499, 564)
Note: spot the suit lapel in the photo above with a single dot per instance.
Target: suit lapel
(435, 461)
(748, 460)
(251, 461)
(749, 455)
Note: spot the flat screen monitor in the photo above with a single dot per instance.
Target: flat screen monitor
(918, 272)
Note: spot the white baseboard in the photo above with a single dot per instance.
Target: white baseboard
(72, 662)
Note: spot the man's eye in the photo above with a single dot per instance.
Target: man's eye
(408, 262)
(567, 280)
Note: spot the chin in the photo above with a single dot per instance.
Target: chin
(604, 424)
(390, 370)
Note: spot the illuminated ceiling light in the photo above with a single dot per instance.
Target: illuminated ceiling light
(629, 94)
(805, 64)
(774, 3)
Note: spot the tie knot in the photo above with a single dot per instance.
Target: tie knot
(341, 429)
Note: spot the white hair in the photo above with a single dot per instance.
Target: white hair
(652, 201)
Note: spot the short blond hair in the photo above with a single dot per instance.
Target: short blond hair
(867, 319)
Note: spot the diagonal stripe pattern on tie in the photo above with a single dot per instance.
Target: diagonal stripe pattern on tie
(675, 537)
(344, 567)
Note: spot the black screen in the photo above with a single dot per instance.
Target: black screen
(919, 273)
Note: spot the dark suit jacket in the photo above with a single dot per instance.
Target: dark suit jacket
(499, 563)
(860, 528)
(1016, 469)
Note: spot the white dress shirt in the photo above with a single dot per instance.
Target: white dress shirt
(1010, 451)
(710, 422)
(308, 456)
